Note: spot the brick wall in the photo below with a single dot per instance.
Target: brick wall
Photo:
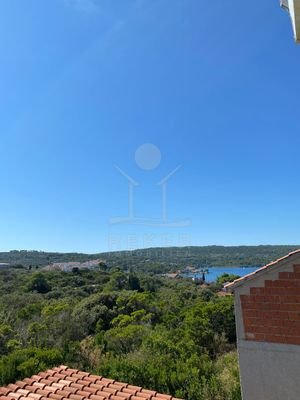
(272, 313)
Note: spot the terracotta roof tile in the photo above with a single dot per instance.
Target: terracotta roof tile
(61, 383)
(97, 397)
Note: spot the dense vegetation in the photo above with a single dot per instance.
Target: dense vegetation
(169, 335)
(159, 260)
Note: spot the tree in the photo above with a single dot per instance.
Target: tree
(122, 340)
(118, 281)
(39, 283)
(134, 282)
(222, 279)
(103, 266)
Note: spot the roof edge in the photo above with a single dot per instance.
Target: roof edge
(238, 282)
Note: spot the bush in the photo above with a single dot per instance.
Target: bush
(26, 362)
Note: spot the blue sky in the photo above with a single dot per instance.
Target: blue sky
(84, 83)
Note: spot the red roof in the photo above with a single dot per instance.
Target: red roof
(258, 272)
(62, 383)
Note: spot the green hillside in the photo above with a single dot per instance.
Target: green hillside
(159, 259)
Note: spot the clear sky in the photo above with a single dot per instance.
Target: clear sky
(93, 92)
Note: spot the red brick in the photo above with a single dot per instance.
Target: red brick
(270, 322)
(249, 306)
(295, 283)
(292, 323)
(296, 268)
(282, 283)
(292, 340)
(273, 315)
(250, 336)
(264, 306)
(283, 275)
(268, 284)
(281, 330)
(287, 307)
(256, 306)
(250, 313)
(273, 330)
(260, 337)
(248, 321)
(258, 299)
(257, 290)
(275, 307)
(286, 275)
(295, 291)
(244, 298)
(289, 331)
(264, 315)
(289, 299)
(280, 322)
(283, 315)
(258, 322)
(274, 338)
(277, 291)
(262, 330)
(294, 316)
(271, 298)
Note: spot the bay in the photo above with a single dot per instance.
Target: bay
(214, 272)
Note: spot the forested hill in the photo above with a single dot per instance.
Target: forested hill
(159, 259)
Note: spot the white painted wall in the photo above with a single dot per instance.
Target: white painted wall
(269, 371)
(294, 9)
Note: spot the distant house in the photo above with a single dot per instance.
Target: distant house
(69, 266)
(172, 275)
(4, 265)
(293, 7)
(267, 307)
